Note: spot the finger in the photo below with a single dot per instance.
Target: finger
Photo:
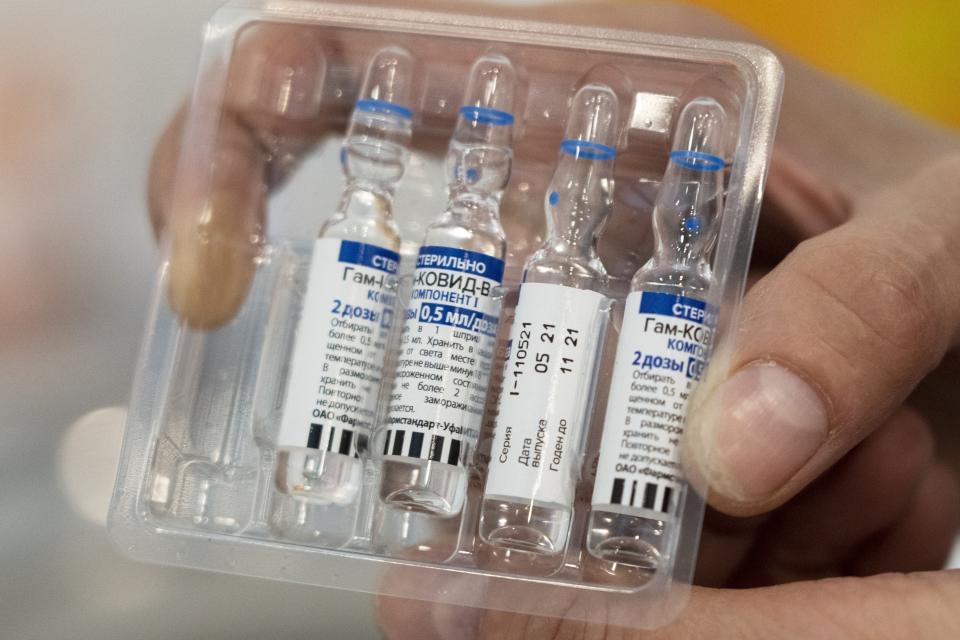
(420, 619)
(925, 534)
(214, 240)
(796, 205)
(274, 88)
(891, 606)
(894, 606)
(272, 91)
(830, 343)
(275, 79)
(216, 215)
(814, 535)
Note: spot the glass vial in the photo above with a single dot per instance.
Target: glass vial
(554, 341)
(450, 325)
(661, 353)
(348, 309)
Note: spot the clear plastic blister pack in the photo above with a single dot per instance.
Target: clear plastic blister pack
(501, 256)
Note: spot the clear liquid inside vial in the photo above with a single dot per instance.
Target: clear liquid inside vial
(639, 540)
(329, 470)
(577, 204)
(424, 486)
(535, 526)
(632, 539)
(319, 476)
(435, 486)
(478, 164)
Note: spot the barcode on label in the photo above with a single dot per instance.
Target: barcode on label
(332, 439)
(413, 444)
(647, 495)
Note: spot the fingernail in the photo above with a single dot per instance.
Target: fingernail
(758, 428)
(216, 233)
(211, 266)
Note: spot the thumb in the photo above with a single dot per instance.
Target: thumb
(830, 344)
(896, 606)
(916, 606)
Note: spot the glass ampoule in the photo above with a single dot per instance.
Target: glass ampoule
(348, 309)
(446, 348)
(554, 341)
(662, 350)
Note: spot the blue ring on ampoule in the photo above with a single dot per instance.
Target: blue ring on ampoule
(486, 115)
(382, 106)
(697, 160)
(587, 150)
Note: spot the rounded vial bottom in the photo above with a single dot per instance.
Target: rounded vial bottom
(321, 477)
(415, 535)
(531, 526)
(325, 525)
(423, 486)
(208, 495)
(628, 543)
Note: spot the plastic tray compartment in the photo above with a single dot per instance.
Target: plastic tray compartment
(195, 486)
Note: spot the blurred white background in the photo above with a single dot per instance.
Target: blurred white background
(85, 89)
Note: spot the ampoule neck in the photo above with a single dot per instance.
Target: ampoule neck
(573, 229)
(470, 222)
(380, 188)
(689, 277)
(474, 205)
(578, 204)
(576, 247)
(679, 252)
(564, 264)
(363, 198)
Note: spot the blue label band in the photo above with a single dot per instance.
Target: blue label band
(587, 150)
(697, 160)
(368, 255)
(382, 106)
(486, 115)
(674, 306)
(461, 260)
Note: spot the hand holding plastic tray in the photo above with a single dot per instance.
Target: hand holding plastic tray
(558, 599)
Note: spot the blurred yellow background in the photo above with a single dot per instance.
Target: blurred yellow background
(907, 51)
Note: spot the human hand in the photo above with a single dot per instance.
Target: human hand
(857, 303)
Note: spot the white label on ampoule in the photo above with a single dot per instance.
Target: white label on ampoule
(340, 347)
(659, 359)
(547, 384)
(445, 353)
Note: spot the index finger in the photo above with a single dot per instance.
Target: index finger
(272, 99)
